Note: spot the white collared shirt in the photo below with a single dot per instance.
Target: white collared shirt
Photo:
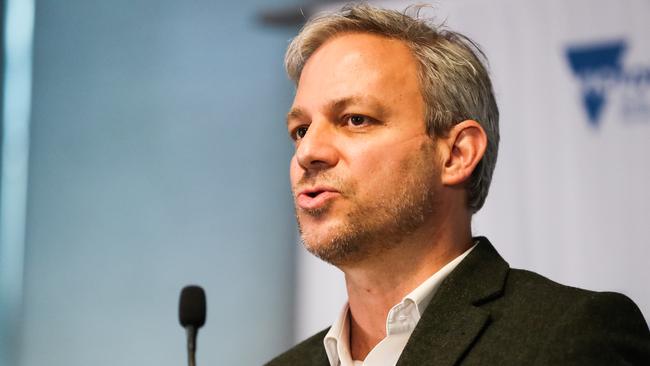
(400, 323)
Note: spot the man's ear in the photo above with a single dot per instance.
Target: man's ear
(465, 145)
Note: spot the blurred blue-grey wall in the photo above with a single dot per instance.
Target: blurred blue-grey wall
(158, 159)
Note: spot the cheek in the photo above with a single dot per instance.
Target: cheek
(373, 166)
(379, 159)
(387, 165)
(371, 170)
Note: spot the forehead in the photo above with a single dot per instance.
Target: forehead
(359, 65)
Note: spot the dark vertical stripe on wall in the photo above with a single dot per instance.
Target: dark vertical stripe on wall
(2, 83)
(4, 327)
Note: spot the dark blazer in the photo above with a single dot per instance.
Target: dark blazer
(486, 313)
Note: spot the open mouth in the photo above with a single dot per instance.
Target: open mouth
(315, 197)
(314, 193)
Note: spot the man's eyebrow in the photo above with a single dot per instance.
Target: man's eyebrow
(295, 113)
(336, 106)
(340, 104)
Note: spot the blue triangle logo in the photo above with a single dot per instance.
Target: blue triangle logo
(593, 61)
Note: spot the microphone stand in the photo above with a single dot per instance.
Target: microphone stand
(191, 331)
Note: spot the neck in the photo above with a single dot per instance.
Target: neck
(377, 283)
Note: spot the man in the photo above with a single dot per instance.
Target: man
(396, 134)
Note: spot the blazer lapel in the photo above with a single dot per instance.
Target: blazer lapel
(453, 320)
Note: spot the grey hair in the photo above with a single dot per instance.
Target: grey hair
(454, 83)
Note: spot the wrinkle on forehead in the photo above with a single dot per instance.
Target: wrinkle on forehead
(359, 65)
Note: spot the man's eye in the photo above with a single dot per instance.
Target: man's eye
(300, 132)
(357, 120)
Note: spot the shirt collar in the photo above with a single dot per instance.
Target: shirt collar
(402, 318)
(337, 339)
(423, 294)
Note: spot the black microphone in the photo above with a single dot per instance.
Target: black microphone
(191, 313)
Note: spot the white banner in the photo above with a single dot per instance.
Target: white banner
(570, 192)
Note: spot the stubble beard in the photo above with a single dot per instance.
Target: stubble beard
(374, 227)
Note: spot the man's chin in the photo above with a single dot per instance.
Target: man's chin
(330, 242)
(318, 232)
(331, 252)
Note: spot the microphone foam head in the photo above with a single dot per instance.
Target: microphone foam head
(192, 308)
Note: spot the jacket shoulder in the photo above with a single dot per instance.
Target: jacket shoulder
(571, 325)
(530, 294)
(527, 285)
(310, 352)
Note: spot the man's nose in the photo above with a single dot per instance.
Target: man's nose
(316, 150)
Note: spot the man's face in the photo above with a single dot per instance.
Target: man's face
(364, 174)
